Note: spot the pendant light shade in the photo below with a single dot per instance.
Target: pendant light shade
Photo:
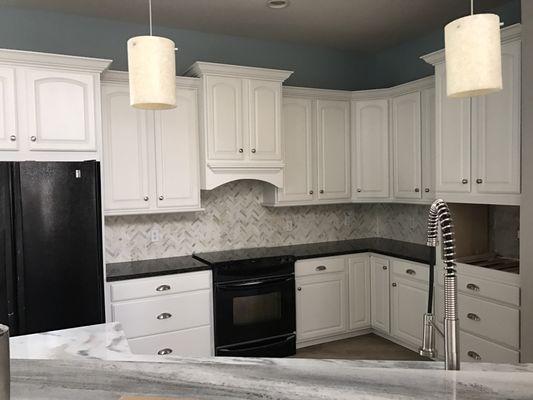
(473, 55)
(152, 72)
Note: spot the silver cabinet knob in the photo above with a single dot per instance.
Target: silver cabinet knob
(385, 267)
(473, 287)
(479, 180)
(464, 181)
(410, 272)
(164, 352)
(299, 289)
(474, 355)
(321, 190)
(146, 198)
(311, 192)
(164, 315)
(394, 284)
(426, 190)
(253, 150)
(417, 190)
(162, 288)
(161, 197)
(241, 150)
(12, 138)
(33, 138)
(358, 190)
(473, 317)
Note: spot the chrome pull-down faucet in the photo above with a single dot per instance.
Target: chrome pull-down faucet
(439, 214)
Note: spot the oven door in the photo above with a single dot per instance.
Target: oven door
(253, 310)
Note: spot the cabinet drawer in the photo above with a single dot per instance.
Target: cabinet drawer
(165, 314)
(160, 285)
(410, 270)
(475, 349)
(320, 266)
(195, 342)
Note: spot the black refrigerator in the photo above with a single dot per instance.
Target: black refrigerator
(51, 268)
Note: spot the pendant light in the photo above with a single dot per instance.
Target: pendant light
(473, 55)
(152, 71)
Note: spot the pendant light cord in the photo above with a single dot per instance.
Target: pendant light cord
(150, 13)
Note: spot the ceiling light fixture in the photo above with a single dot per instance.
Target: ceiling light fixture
(152, 71)
(277, 4)
(473, 55)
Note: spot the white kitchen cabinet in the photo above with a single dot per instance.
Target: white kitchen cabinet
(370, 155)
(359, 291)
(380, 293)
(496, 131)
(9, 134)
(297, 128)
(240, 123)
(407, 146)
(150, 157)
(165, 315)
(333, 149)
(428, 143)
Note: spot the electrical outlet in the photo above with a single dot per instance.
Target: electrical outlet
(347, 220)
(289, 225)
(155, 236)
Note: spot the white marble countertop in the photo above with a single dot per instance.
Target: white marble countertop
(95, 363)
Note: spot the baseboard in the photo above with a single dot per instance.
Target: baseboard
(400, 342)
(346, 335)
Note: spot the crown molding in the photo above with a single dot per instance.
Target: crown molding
(111, 76)
(57, 61)
(323, 94)
(508, 34)
(200, 68)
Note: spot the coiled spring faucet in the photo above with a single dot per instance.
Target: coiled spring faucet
(439, 213)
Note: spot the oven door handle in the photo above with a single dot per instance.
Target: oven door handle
(246, 285)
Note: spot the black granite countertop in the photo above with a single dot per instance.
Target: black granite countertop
(155, 267)
(205, 261)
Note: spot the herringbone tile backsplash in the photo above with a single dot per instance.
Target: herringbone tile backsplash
(234, 218)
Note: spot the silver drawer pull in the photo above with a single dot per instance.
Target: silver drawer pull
(162, 288)
(164, 315)
(321, 268)
(473, 317)
(474, 355)
(410, 272)
(473, 287)
(164, 352)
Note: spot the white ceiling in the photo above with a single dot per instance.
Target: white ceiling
(365, 25)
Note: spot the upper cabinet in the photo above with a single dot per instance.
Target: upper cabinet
(150, 157)
(49, 106)
(478, 139)
(315, 148)
(370, 156)
(240, 123)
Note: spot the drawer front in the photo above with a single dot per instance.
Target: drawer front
(484, 318)
(320, 266)
(160, 285)
(194, 342)
(165, 314)
(475, 349)
(410, 270)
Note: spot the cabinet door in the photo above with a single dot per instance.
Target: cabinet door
(496, 130)
(265, 120)
(176, 153)
(452, 138)
(224, 118)
(428, 143)
(9, 136)
(359, 291)
(379, 290)
(320, 305)
(333, 147)
(126, 172)
(297, 147)
(371, 149)
(60, 110)
(406, 136)
(408, 305)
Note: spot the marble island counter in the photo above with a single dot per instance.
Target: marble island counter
(98, 365)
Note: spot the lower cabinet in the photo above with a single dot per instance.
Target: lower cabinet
(379, 293)
(166, 315)
(359, 291)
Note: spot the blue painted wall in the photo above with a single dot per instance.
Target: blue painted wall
(95, 37)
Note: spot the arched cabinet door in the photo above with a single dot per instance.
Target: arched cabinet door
(60, 110)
